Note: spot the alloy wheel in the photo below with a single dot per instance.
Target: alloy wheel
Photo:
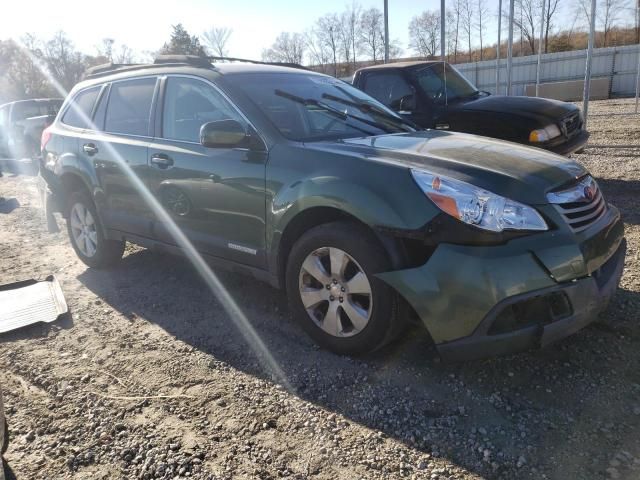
(83, 229)
(335, 292)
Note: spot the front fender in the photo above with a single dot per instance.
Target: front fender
(378, 196)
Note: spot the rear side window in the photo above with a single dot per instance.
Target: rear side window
(387, 87)
(80, 108)
(129, 107)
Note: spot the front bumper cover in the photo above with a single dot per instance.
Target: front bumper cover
(588, 297)
(461, 290)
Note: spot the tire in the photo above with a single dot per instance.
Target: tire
(356, 247)
(5, 443)
(99, 252)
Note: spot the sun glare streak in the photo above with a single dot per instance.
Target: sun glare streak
(213, 282)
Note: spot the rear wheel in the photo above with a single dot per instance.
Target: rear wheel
(86, 234)
(333, 291)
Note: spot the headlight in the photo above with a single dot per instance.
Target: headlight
(476, 206)
(544, 134)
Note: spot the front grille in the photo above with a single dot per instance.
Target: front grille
(571, 124)
(581, 205)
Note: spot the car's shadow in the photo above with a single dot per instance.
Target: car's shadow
(8, 205)
(624, 195)
(403, 390)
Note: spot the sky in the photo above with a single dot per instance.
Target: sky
(145, 25)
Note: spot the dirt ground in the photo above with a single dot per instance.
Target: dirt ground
(149, 378)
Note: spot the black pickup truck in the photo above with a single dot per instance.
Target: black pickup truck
(435, 95)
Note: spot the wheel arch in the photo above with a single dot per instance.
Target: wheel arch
(319, 215)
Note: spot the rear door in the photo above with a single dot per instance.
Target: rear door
(216, 196)
(122, 136)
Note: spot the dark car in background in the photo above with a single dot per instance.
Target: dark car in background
(435, 95)
(22, 123)
(306, 182)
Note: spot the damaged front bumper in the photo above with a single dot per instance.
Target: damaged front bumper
(479, 301)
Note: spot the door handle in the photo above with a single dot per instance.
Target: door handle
(90, 149)
(161, 160)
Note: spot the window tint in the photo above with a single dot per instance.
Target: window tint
(388, 88)
(80, 108)
(130, 106)
(189, 104)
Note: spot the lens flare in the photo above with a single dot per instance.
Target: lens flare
(234, 312)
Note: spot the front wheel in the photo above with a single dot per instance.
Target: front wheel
(333, 292)
(86, 234)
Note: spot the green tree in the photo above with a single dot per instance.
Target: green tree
(181, 43)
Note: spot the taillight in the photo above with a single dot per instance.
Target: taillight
(46, 136)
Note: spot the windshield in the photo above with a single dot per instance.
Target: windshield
(23, 110)
(309, 107)
(432, 81)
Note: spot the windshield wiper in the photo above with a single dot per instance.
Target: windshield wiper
(370, 108)
(333, 111)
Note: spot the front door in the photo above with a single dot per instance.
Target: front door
(216, 196)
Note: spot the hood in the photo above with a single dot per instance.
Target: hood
(515, 171)
(539, 109)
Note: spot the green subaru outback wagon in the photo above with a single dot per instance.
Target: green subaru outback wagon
(301, 180)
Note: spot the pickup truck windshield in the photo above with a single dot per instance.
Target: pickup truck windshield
(443, 83)
(308, 107)
(24, 110)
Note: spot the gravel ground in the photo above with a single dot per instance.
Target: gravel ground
(149, 378)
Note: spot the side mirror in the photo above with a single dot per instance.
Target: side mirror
(407, 104)
(222, 134)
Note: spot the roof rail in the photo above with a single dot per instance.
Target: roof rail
(258, 62)
(165, 60)
(194, 60)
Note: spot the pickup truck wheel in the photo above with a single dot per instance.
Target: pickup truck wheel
(333, 292)
(86, 234)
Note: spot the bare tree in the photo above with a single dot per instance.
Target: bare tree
(20, 72)
(466, 22)
(527, 20)
(372, 33)
(607, 14)
(327, 30)
(318, 51)
(483, 12)
(451, 34)
(350, 33)
(105, 50)
(125, 55)
(65, 63)
(287, 48)
(549, 12)
(215, 40)
(424, 33)
(453, 28)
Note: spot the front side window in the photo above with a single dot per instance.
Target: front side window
(310, 107)
(129, 107)
(79, 111)
(389, 88)
(189, 104)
